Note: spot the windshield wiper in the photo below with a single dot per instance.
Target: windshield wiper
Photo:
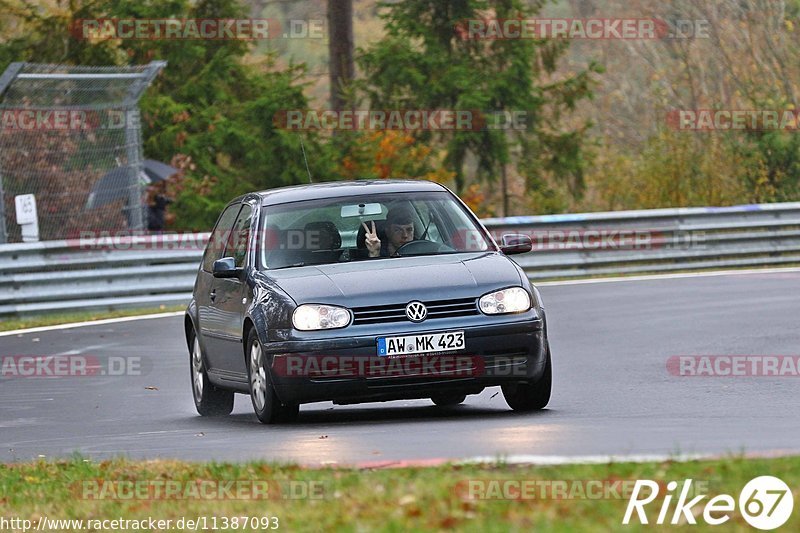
(428, 225)
(302, 264)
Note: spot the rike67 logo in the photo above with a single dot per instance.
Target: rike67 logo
(765, 503)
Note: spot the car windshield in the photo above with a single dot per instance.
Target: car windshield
(357, 228)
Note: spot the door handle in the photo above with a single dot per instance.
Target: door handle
(213, 294)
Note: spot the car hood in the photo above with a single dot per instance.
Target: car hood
(398, 280)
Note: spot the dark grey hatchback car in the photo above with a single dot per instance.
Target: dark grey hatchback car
(359, 292)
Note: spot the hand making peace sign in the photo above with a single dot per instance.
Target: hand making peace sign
(371, 240)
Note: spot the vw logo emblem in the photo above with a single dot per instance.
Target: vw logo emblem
(416, 311)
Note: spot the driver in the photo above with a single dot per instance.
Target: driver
(399, 231)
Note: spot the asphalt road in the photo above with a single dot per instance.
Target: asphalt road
(612, 391)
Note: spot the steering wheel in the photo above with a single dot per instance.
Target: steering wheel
(422, 247)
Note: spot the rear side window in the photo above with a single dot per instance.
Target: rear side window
(220, 236)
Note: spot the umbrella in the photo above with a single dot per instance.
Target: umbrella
(114, 185)
(157, 171)
(117, 183)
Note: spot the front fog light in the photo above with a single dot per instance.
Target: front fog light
(513, 300)
(310, 317)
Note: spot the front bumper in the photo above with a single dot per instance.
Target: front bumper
(498, 353)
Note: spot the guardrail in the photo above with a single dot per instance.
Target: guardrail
(63, 276)
(73, 275)
(657, 240)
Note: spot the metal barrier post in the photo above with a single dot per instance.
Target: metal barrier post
(9, 74)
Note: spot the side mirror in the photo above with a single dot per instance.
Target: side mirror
(516, 244)
(225, 268)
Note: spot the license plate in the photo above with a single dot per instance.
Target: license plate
(425, 343)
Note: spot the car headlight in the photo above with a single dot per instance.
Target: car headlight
(512, 300)
(309, 317)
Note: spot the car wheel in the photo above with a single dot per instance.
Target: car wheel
(208, 399)
(444, 400)
(531, 396)
(266, 404)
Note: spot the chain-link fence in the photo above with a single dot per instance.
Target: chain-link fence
(71, 136)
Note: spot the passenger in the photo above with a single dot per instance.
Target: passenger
(322, 235)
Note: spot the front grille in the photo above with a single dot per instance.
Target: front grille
(381, 314)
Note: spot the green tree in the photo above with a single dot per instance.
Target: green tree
(425, 62)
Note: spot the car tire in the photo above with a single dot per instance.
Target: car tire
(267, 406)
(447, 400)
(208, 399)
(526, 397)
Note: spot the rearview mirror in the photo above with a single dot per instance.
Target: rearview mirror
(225, 268)
(361, 210)
(516, 244)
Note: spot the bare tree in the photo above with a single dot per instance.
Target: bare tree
(340, 47)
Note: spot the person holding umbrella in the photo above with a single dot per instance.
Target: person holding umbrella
(158, 173)
(157, 206)
(118, 184)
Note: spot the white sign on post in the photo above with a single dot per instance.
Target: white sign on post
(27, 217)
(26, 208)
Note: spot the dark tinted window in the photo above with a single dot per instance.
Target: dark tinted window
(219, 237)
(240, 236)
